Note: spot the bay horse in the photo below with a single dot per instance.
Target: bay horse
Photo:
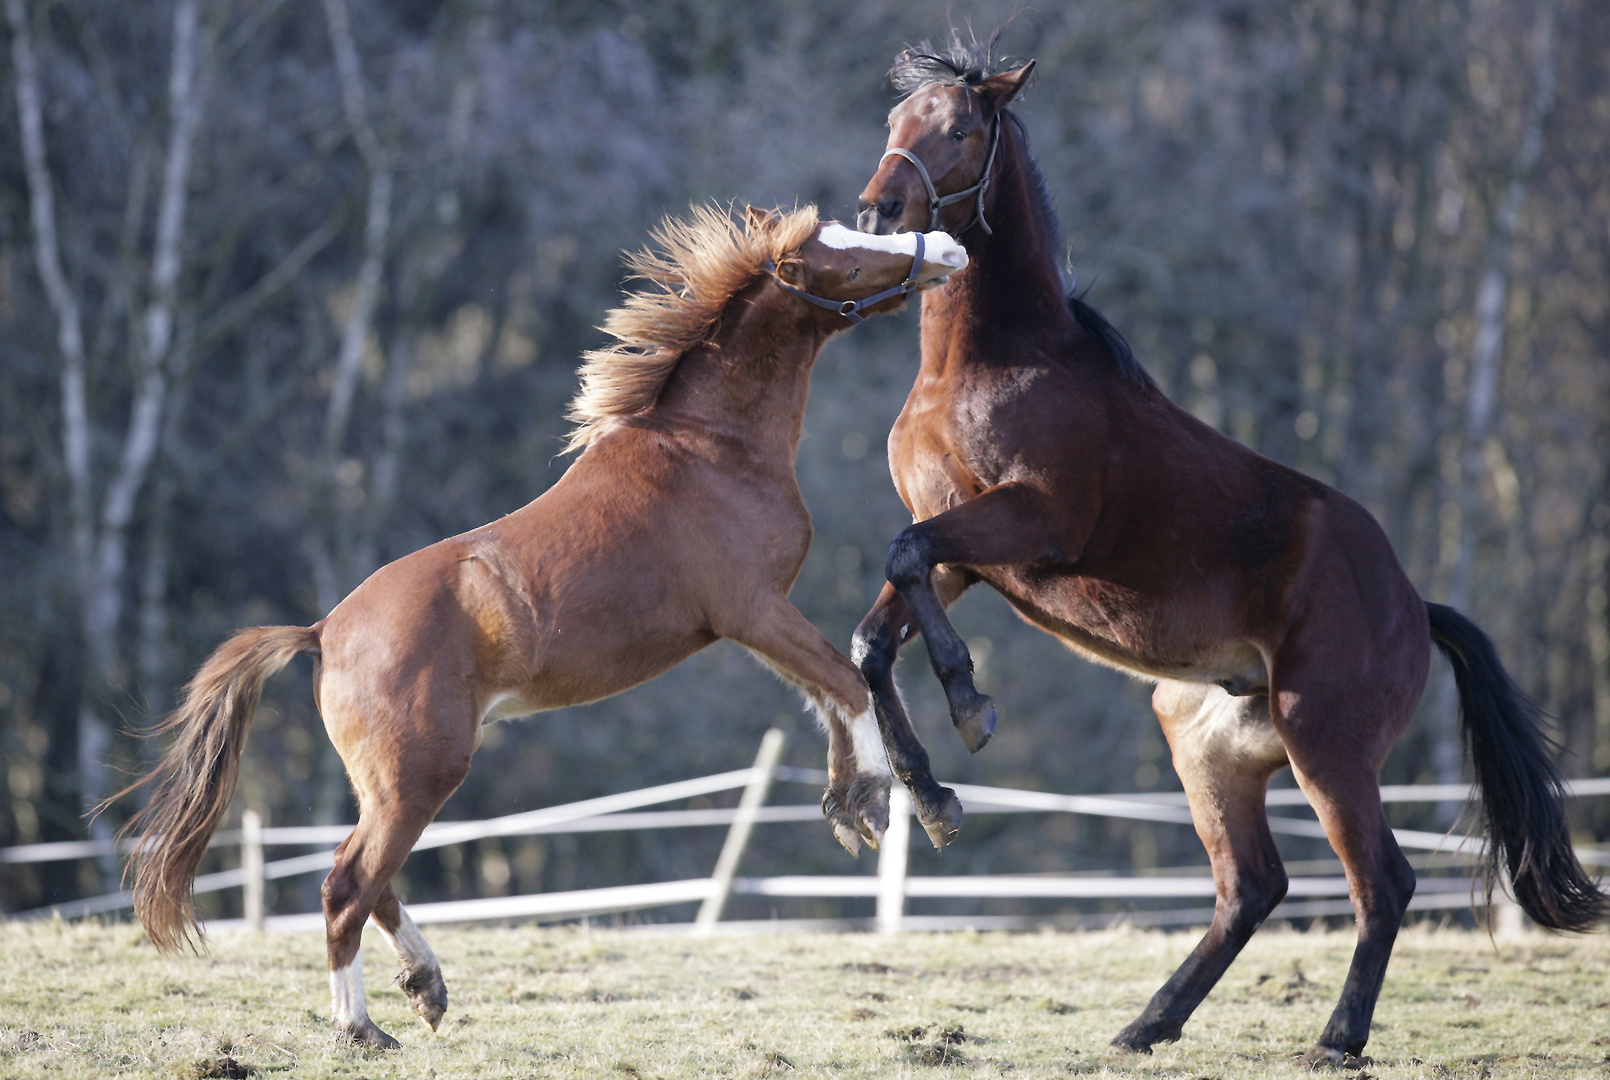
(1036, 455)
(680, 523)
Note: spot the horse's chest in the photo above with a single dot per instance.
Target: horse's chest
(948, 444)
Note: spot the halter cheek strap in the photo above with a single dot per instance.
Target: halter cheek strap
(851, 309)
(936, 201)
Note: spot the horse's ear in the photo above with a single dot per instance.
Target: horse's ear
(1001, 90)
(792, 271)
(757, 220)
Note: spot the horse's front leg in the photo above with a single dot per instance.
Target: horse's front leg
(875, 647)
(1005, 525)
(856, 802)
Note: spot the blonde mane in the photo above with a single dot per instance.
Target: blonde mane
(696, 266)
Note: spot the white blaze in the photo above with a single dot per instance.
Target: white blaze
(941, 247)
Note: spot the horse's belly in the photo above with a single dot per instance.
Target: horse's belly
(591, 667)
(1124, 629)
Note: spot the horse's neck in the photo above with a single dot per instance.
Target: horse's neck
(749, 384)
(1012, 281)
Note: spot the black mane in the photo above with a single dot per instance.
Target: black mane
(964, 63)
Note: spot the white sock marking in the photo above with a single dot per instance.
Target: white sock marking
(870, 757)
(413, 951)
(347, 1008)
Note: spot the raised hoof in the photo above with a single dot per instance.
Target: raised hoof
(365, 1034)
(944, 826)
(849, 838)
(868, 806)
(975, 722)
(834, 801)
(427, 993)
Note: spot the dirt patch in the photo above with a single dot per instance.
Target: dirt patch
(933, 1044)
(222, 1067)
(939, 1054)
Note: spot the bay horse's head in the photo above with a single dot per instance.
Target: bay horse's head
(944, 139)
(851, 273)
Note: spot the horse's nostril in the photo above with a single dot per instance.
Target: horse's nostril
(890, 208)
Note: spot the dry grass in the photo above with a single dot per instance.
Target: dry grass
(98, 1001)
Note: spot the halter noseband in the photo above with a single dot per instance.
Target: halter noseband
(851, 309)
(937, 202)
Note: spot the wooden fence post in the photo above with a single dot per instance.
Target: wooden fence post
(251, 865)
(754, 797)
(892, 858)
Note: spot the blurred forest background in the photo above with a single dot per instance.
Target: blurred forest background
(289, 288)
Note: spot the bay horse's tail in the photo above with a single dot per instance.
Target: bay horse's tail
(1522, 799)
(196, 778)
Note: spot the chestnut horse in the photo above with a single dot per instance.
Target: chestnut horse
(1036, 455)
(680, 523)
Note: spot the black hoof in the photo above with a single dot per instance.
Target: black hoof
(365, 1034)
(1130, 1045)
(1138, 1037)
(975, 722)
(427, 994)
(942, 825)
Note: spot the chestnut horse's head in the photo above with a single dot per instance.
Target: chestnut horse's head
(943, 142)
(849, 272)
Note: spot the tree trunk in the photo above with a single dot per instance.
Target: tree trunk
(1462, 511)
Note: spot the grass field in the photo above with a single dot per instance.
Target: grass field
(97, 1001)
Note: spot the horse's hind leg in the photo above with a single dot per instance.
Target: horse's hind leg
(1224, 750)
(401, 782)
(421, 973)
(1345, 793)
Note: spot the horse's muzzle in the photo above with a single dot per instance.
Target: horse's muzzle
(881, 218)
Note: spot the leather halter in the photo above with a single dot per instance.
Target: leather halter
(936, 201)
(851, 309)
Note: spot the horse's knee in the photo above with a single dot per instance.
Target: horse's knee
(338, 891)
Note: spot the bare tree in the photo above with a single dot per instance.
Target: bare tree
(101, 532)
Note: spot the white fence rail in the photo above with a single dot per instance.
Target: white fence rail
(891, 886)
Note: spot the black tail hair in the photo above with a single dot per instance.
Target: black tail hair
(1522, 798)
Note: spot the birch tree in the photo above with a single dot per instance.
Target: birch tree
(106, 489)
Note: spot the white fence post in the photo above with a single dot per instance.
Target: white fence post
(754, 796)
(251, 866)
(892, 858)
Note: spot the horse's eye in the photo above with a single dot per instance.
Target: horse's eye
(958, 134)
(855, 273)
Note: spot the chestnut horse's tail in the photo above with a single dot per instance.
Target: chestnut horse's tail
(1522, 799)
(196, 778)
